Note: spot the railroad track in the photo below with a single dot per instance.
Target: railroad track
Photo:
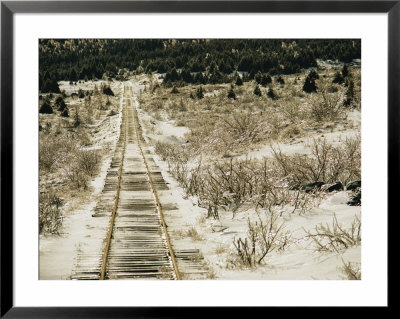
(135, 244)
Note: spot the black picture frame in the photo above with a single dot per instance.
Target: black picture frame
(9, 8)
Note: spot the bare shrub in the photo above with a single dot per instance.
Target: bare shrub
(77, 120)
(47, 155)
(327, 106)
(214, 133)
(350, 271)
(165, 150)
(76, 176)
(88, 161)
(243, 126)
(53, 149)
(292, 111)
(50, 218)
(335, 238)
(263, 237)
(326, 163)
(231, 184)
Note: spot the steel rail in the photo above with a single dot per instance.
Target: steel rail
(114, 211)
(159, 208)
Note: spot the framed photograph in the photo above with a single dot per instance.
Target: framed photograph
(158, 156)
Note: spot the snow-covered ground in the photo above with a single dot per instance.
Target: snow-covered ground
(215, 237)
(58, 252)
(299, 261)
(85, 86)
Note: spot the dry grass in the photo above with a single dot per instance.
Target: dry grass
(221, 249)
(193, 234)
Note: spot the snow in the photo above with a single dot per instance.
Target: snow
(162, 131)
(299, 261)
(80, 230)
(58, 253)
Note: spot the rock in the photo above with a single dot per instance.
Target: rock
(353, 185)
(312, 186)
(355, 200)
(338, 186)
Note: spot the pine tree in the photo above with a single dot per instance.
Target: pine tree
(65, 113)
(61, 104)
(257, 91)
(186, 76)
(73, 76)
(313, 75)
(199, 93)
(338, 78)
(50, 86)
(46, 108)
(81, 95)
(309, 84)
(231, 93)
(107, 90)
(174, 90)
(345, 71)
(77, 120)
(280, 80)
(349, 94)
(199, 78)
(265, 80)
(239, 81)
(258, 77)
(271, 94)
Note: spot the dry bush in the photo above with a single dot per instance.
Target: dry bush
(231, 184)
(327, 106)
(53, 149)
(166, 151)
(61, 153)
(292, 111)
(83, 165)
(243, 126)
(76, 176)
(217, 133)
(327, 163)
(350, 271)
(88, 161)
(82, 137)
(50, 218)
(335, 238)
(263, 237)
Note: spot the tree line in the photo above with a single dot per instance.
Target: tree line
(185, 60)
